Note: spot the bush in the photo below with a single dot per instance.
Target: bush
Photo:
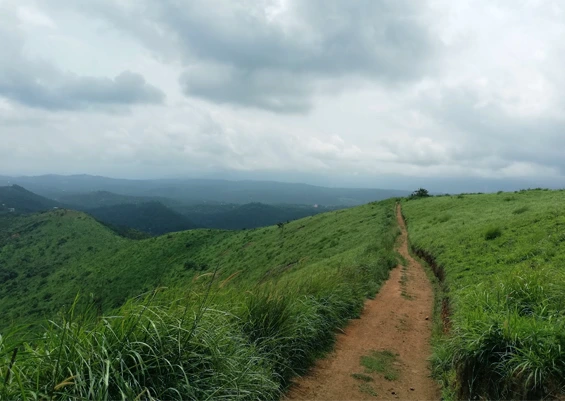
(521, 210)
(420, 193)
(493, 233)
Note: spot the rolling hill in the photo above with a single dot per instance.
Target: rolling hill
(23, 201)
(109, 207)
(70, 251)
(96, 199)
(152, 217)
(157, 215)
(250, 215)
(183, 315)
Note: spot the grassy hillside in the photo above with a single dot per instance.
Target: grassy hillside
(502, 258)
(227, 315)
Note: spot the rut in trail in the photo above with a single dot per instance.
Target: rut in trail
(397, 322)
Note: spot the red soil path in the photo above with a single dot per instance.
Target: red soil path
(399, 319)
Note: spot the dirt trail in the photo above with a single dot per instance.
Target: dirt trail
(399, 320)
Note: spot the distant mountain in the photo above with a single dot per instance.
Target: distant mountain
(230, 216)
(17, 199)
(151, 217)
(125, 212)
(202, 190)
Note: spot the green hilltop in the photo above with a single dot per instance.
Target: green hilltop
(47, 258)
(501, 259)
(199, 314)
(16, 199)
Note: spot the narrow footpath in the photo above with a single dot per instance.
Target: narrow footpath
(384, 354)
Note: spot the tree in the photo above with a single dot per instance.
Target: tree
(420, 193)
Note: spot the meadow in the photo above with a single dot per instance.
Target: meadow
(199, 314)
(500, 259)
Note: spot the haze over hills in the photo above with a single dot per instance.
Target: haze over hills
(156, 215)
(202, 190)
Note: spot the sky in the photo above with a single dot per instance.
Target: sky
(365, 92)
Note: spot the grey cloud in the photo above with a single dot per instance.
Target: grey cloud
(276, 91)
(70, 92)
(275, 61)
(489, 135)
(39, 84)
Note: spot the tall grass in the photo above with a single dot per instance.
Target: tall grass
(217, 339)
(509, 341)
(506, 289)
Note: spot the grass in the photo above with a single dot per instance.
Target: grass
(46, 259)
(381, 362)
(500, 258)
(362, 377)
(253, 309)
(368, 389)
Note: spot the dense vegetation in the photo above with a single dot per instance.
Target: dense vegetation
(151, 217)
(23, 201)
(243, 312)
(97, 199)
(131, 216)
(501, 258)
(251, 215)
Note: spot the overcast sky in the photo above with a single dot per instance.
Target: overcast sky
(283, 88)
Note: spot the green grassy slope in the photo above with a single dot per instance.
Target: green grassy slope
(502, 256)
(43, 261)
(243, 311)
(47, 258)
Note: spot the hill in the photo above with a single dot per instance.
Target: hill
(23, 201)
(500, 260)
(47, 258)
(251, 215)
(230, 216)
(149, 214)
(96, 199)
(265, 302)
(152, 217)
(202, 190)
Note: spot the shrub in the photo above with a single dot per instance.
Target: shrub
(420, 193)
(521, 210)
(493, 233)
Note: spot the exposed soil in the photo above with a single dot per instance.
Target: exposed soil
(399, 320)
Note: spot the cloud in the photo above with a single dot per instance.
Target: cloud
(341, 88)
(39, 84)
(495, 134)
(276, 54)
